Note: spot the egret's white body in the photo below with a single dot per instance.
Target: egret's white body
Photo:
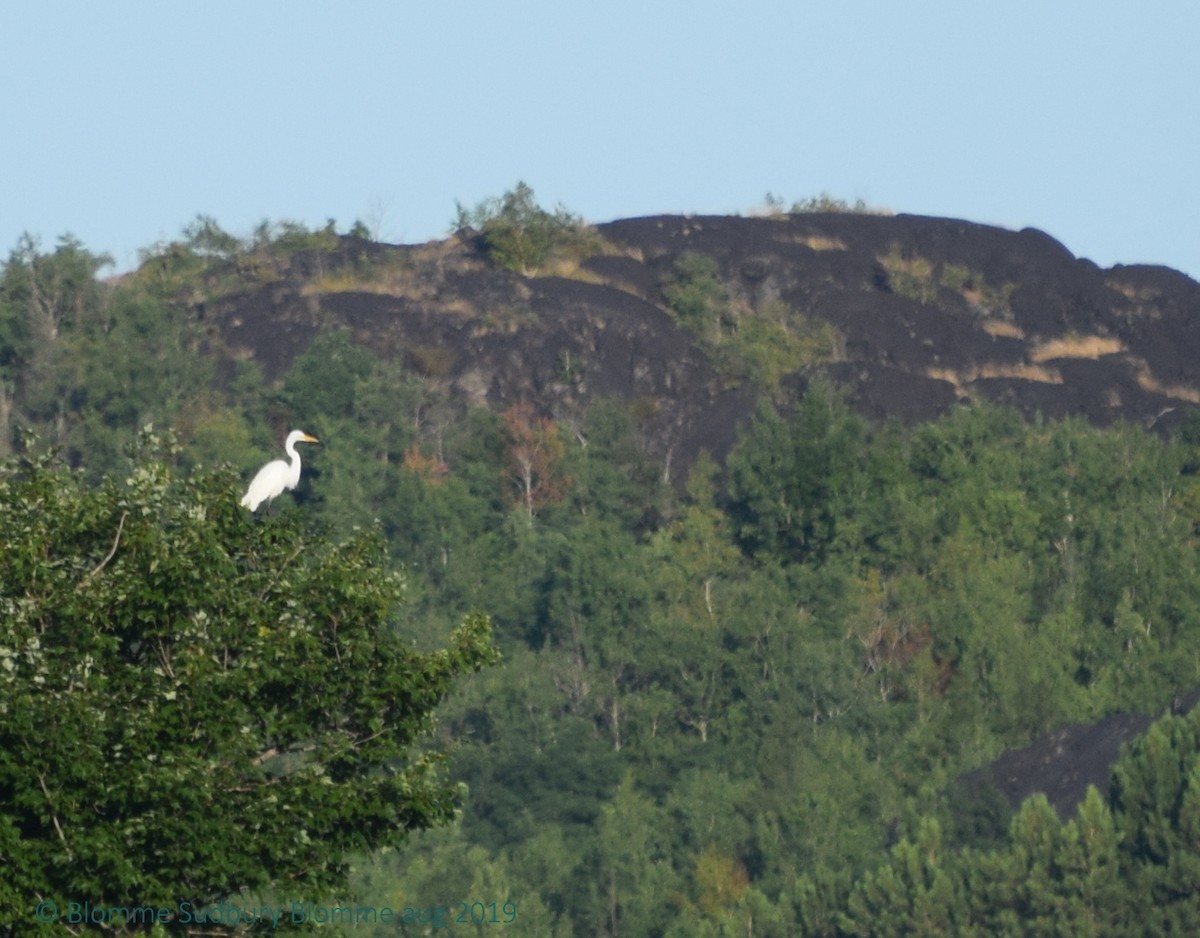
(276, 477)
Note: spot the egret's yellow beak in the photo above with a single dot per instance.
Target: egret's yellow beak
(309, 439)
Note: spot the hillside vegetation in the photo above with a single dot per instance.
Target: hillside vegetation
(774, 552)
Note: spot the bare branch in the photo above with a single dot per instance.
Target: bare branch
(111, 553)
(53, 816)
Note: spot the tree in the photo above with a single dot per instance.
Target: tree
(634, 874)
(697, 549)
(208, 239)
(196, 702)
(535, 457)
(323, 380)
(517, 233)
(41, 294)
(917, 893)
(1089, 864)
(1156, 804)
(53, 289)
(696, 296)
(795, 480)
(437, 881)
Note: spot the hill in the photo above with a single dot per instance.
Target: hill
(920, 313)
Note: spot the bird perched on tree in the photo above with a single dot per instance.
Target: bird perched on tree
(277, 476)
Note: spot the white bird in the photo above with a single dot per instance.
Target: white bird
(277, 476)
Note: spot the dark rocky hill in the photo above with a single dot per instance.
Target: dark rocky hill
(926, 312)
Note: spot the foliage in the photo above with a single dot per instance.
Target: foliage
(208, 262)
(324, 380)
(760, 345)
(520, 235)
(696, 295)
(776, 341)
(824, 202)
(775, 205)
(535, 455)
(920, 279)
(50, 292)
(789, 480)
(289, 237)
(207, 238)
(733, 705)
(1123, 866)
(910, 276)
(197, 703)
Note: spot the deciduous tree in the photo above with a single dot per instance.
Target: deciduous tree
(535, 454)
(196, 702)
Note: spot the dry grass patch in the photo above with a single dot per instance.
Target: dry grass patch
(943, 374)
(950, 376)
(1131, 292)
(1127, 290)
(1001, 328)
(350, 281)
(917, 267)
(424, 293)
(569, 268)
(1180, 392)
(819, 242)
(1020, 370)
(1087, 346)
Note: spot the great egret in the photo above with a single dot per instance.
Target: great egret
(277, 476)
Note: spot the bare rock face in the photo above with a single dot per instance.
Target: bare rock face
(1061, 764)
(930, 312)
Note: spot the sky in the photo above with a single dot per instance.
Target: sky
(123, 120)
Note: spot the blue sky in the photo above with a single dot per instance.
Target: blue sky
(124, 120)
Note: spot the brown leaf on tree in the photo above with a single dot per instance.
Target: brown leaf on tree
(536, 452)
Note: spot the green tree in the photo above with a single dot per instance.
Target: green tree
(53, 290)
(696, 551)
(796, 479)
(1156, 801)
(518, 234)
(916, 893)
(324, 380)
(438, 880)
(196, 702)
(634, 874)
(696, 296)
(41, 295)
(1089, 866)
(140, 365)
(208, 239)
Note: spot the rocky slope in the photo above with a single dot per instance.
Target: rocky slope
(927, 312)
